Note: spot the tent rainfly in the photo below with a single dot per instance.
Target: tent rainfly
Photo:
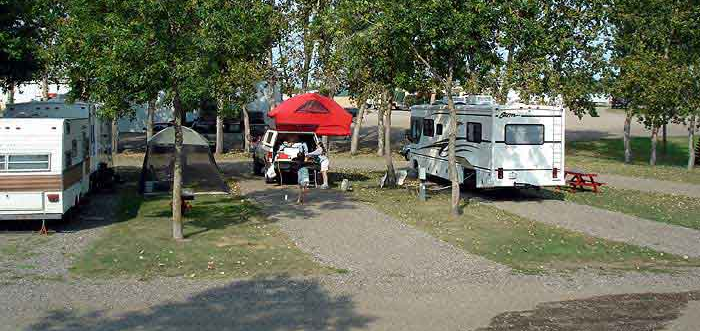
(200, 171)
(312, 112)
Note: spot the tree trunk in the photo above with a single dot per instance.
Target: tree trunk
(11, 94)
(628, 154)
(219, 139)
(391, 179)
(692, 153)
(358, 125)
(150, 111)
(506, 83)
(246, 130)
(45, 88)
(653, 145)
(219, 144)
(433, 98)
(452, 162)
(308, 50)
(664, 139)
(115, 138)
(177, 168)
(380, 131)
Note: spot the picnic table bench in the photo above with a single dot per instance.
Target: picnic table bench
(581, 179)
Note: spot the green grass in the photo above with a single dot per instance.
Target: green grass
(606, 156)
(525, 245)
(225, 238)
(665, 208)
(20, 247)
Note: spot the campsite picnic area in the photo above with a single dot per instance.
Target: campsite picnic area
(254, 165)
(367, 259)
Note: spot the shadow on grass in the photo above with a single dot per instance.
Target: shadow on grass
(278, 304)
(275, 206)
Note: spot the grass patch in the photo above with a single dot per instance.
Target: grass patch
(606, 156)
(525, 245)
(225, 237)
(665, 208)
(20, 247)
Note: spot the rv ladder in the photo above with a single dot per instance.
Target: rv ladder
(557, 136)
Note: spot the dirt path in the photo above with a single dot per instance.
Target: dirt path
(607, 224)
(651, 185)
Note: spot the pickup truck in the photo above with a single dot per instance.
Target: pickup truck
(265, 152)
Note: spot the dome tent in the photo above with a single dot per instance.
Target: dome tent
(312, 112)
(200, 171)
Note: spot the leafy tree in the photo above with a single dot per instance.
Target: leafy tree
(20, 34)
(126, 51)
(374, 52)
(452, 40)
(655, 62)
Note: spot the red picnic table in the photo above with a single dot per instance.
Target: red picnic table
(581, 179)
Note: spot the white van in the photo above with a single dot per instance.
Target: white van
(496, 145)
(47, 165)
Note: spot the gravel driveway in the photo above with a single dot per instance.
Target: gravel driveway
(607, 224)
(651, 185)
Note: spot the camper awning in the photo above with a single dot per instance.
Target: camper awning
(312, 112)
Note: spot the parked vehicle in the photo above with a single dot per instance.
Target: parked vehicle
(496, 146)
(352, 110)
(48, 165)
(618, 103)
(265, 152)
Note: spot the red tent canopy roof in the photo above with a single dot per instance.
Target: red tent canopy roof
(312, 112)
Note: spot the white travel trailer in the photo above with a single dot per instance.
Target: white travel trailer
(47, 166)
(496, 145)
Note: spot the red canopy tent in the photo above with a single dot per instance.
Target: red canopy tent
(312, 112)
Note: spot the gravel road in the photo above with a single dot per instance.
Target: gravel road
(607, 224)
(651, 185)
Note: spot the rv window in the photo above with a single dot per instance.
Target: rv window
(428, 128)
(524, 134)
(74, 147)
(416, 128)
(24, 162)
(439, 129)
(474, 132)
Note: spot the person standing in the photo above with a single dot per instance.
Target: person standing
(302, 175)
(320, 152)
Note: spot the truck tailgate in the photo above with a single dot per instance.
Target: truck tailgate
(10, 201)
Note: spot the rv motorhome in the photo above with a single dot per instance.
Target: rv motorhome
(47, 166)
(496, 145)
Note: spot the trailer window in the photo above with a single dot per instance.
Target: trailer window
(416, 129)
(24, 162)
(439, 129)
(524, 134)
(474, 132)
(428, 128)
